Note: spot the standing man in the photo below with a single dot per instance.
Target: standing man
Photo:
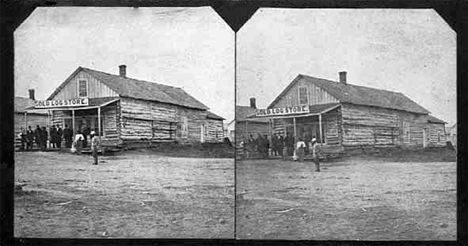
(315, 149)
(38, 136)
(281, 146)
(95, 145)
(85, 132)
(44, 136)
(53, 136)
(22, 136)
(29, 138)
(274, 145)
(67, 135)
(59, 136)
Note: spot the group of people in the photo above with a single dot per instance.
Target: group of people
(40, 136)
(80, 141)
(284, 146)
(56, 135)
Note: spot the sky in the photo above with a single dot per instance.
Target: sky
(408, 51)
(191, 48)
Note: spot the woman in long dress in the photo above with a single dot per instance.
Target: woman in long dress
(78, 143)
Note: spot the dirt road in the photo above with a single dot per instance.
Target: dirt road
(130, 195)
(356, 199)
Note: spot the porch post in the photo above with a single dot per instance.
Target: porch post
(25, 120)
(246, 134)
(269, 127)
(99, 122)
(294, 123)
(320, 129)
(73, 121)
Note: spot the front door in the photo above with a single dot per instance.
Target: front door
(202, 133)
(425, 137)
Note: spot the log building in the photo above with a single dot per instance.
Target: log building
(343, 116)
(24, 116)
(124, 111)
(245, 125)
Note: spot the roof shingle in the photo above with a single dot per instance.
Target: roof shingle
(23, 104)
(362, 95)
(140, 89)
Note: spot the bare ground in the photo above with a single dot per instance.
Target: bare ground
(353, 199)
(128, 195)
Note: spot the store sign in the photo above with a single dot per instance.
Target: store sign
(62, 103)
(283, 111)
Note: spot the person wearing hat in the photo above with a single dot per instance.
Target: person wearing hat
(315, 150)
(95, 145)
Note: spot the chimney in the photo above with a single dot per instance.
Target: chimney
(123, 70)
(252, 102)
(343, 77)
(31, 94)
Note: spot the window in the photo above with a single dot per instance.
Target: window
(438, 137)
(288, 101)
(303, 97)
(82, 88)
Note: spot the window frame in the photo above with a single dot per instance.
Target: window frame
(299, 95)
(79, 88)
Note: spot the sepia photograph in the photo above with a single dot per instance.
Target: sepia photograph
(121, 123)
(345, 125)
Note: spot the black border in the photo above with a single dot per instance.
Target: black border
(235, 13)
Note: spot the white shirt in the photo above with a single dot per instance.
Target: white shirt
(79, 137)
(301, 144)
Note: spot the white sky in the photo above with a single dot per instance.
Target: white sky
(192, 48)
(409, 51)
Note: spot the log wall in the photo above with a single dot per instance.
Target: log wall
(372, 126)
(437, 136)
(148, 120)
(138, 118)
(196, 120)
(214, 130)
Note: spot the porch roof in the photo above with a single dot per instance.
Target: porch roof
(314, 110)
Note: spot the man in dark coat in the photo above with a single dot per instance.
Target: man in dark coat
(266, 146)
(85, 131)
(29, 138)
(22, 136)
(38, 136)
(59, 137)
(68, 135)
(44, 136)
(274, 145)
(53, 136)
(281, 145)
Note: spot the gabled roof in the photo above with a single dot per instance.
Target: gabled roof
(432, 119)
(243, 113)
(140, 89)
(360, 95)
(23, 104)
(214, 116)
